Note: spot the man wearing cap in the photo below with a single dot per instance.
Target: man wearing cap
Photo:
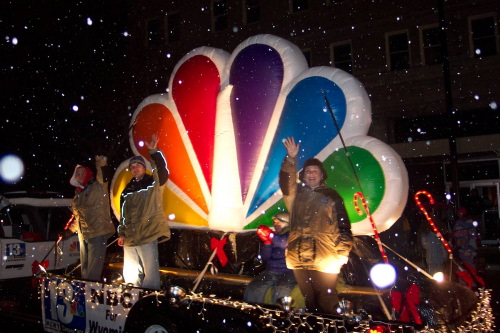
(320, 231)
(276, 274)
(143, 220)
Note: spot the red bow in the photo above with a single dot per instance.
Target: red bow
(219, 245)
(406, 304)
(469, 275)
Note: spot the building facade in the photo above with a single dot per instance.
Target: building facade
(431, 69)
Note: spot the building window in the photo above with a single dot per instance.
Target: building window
(173, 27)
(299, 5)
(483, 36)
(153, 37)
(342, 56)
(219, 14)
(252, 11)
(431, 45)
(398, 51)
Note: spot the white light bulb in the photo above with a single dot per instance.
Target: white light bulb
(383, 275)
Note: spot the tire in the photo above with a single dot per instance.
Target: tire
(155, 323)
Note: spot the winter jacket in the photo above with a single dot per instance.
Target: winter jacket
(274, 253)
(91, 205)
(320, 230)
(464, 241)
(142, 217)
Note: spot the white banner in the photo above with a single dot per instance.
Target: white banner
(80, 306)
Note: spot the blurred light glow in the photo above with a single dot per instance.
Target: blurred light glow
(74, 108)
(439, 277)
(171, 217)
(140, 143)
(89, 21)
(383, 275)
(15, 41)
(493, 105)
(11, 168)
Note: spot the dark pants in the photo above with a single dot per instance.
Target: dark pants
(319, 290)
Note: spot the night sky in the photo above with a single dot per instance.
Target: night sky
(61, 83)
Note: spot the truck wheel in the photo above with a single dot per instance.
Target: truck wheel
(155, 324)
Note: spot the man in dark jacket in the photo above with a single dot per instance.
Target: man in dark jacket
(320, 231)
(143, 220)
(92, 218)
(276, 275)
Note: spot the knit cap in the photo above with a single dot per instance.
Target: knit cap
(137, 159)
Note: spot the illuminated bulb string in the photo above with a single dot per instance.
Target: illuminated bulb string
(480, 320)
(431, 222)
(358, 195)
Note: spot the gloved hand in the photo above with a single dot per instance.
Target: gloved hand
(101, 161)
(265, 234)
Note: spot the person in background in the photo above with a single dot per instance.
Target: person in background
(92, 218)
(143, 220)
(464, 238)
(435, 252)
(320, 231)
(276, 274)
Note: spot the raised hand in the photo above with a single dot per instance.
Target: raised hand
(154, 141)
(292, 149)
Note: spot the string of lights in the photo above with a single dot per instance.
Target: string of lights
(269, 319)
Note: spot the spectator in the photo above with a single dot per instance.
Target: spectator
(464, 238)
(435, 252)
(320, 235)
(276, 275)
(143, 220)
(92, 218)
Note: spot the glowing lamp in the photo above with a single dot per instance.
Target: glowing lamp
(439, 277)
(383, 275)
(11, 168)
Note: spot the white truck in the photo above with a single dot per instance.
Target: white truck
(30, 223)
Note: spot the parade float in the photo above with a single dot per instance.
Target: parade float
(221, 124)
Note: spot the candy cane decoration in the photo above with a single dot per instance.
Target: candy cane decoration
(375, 231)
(431, 222)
